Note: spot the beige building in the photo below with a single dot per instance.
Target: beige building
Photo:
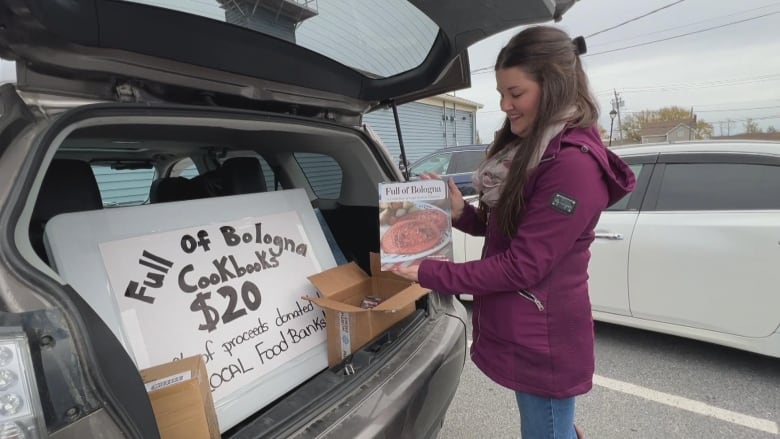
(669, 132)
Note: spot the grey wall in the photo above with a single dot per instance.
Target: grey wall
(425, 128)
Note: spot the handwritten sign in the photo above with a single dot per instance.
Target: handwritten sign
(230, 292)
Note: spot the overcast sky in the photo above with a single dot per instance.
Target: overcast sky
(720, 72)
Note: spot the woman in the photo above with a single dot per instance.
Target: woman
(543, 185)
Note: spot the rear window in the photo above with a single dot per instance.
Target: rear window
(379, 37)
(185, 168)
(271, 184)
(123, 187)
(323, 173)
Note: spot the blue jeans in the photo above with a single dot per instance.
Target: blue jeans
(546, 418)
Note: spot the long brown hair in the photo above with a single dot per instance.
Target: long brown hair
(550, 57)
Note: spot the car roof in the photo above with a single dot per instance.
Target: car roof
(700, 146)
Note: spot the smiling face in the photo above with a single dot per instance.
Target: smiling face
(520, 96)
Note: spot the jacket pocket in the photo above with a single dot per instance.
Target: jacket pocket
(529, 296)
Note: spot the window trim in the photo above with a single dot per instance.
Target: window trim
(638, 195)
(737, 158)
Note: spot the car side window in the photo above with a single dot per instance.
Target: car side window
(123, 187)
(467, 161)
(323, 173)
(268, 175)
(438, 163)
(719, 186)
(623, 203)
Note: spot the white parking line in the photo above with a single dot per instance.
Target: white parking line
(687, 404)
(690, 405)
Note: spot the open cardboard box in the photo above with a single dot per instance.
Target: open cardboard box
(343, 288)
(181, 399)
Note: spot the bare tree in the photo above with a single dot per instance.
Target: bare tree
(751, 126)
(633, 123)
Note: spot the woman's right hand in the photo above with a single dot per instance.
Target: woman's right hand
(456, 197)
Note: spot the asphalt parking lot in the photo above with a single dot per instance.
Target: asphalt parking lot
(647, 386)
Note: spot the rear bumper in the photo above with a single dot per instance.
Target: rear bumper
(402, 385)
(410, 397)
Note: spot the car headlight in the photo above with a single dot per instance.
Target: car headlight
(21, 416)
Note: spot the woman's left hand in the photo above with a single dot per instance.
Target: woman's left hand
(409, 272)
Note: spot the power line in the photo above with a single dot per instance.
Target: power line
(681, 35)
(634, 19)
(688, 25)
(716, 111)
(776, 116)
(695, 85)
(490, 68)
(738, 102)
(485, 69)
(737, 109)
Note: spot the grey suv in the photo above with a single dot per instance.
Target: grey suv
(235, 109)
(455, 162)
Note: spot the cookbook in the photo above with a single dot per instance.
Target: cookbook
(414, 222)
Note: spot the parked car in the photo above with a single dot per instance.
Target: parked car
(694, 251)
(456, 162)
(243, 107)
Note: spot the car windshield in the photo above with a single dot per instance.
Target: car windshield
(381, 38)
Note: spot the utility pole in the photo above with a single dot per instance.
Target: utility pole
(617, 104)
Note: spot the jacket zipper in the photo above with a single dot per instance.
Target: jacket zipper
(528, 295)
(479, 319)
(479, 310)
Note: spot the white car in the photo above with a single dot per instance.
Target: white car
(694, 251)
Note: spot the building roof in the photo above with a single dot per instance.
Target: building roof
(663, 128)
(450, 99)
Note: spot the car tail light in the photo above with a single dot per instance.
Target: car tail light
(21, 416)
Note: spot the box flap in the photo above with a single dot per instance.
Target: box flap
(403, 298)
(174, 368)
(339, 278)
(335, 305)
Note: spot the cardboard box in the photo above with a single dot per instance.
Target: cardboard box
(343, 288)
(181, 399)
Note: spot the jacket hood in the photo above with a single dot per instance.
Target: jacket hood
(620, 179)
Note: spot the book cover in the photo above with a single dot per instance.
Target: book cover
(414, 222)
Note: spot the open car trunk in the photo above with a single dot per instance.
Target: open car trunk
(322, 175)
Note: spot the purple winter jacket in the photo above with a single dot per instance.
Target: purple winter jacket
(533, 327)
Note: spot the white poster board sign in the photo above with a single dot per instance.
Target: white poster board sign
(172, 280)
(229, 291)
